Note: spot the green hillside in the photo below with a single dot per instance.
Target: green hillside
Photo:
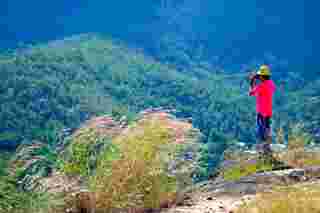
(48, 87)
(64, 82)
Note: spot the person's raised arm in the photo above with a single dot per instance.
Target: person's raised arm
(253, 84)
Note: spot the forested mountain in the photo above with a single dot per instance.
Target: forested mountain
(58, 85)
(226, 33)
(48, 87)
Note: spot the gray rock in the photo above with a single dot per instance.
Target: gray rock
(260, 182)
(313, 172)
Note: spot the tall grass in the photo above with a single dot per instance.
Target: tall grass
(132, 174)
(298, 154)
(299, 199)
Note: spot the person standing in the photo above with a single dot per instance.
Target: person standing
(263, 91)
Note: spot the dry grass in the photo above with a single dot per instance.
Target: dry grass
(297, 155)
(295, 199)
(142, 168)
(135, 178)
(299, 158)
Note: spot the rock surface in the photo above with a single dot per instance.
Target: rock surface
(219, 196)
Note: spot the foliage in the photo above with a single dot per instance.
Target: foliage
(48, 87)
(122, 112)
(34, 159)
(15, 201)
(3, 162)
(134, 173)
(204, 170)
(301, 107)
(46, 153)
(81, 156)
(10, 197)
(300, 198)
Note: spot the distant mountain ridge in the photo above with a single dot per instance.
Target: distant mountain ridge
(234, 33)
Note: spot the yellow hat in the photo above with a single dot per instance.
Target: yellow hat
(264, 70)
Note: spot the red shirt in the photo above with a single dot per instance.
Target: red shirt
(264, 92)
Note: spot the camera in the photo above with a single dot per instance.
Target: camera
(253, 76)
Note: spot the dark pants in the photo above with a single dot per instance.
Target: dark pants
(264, 134)
(263, 127)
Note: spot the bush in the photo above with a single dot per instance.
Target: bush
(133, 174)
(21, 202)
(13, 200)
(81, 156)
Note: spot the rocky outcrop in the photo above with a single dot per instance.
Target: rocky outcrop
(255, 183)
(219, 196)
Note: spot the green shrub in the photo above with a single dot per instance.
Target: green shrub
(81, 156)
(10, 197)
(14, 201)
